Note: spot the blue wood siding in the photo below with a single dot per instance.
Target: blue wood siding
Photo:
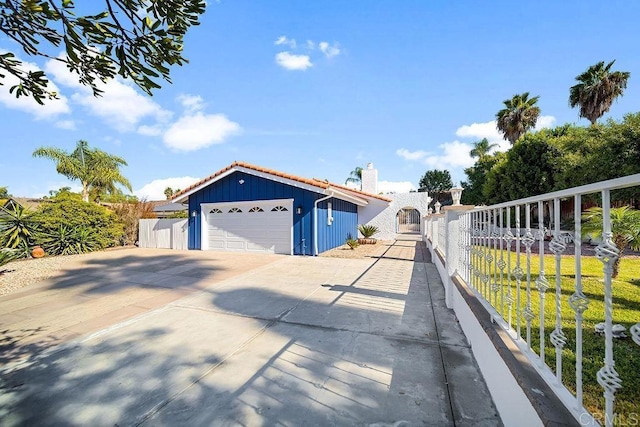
(229, 189)
(345, 223)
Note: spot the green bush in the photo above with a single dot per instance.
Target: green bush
(66, 240)
(18, 228)
(76, 215)
(7, 255)
(367, 230)
(351, 242)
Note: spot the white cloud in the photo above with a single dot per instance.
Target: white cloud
(480, 130)
(120, 105)
(454, 155)
(411, 155)
(283, 40)
(291, 61)
(489, 130)
(193, 132)
(155, 189)
(191, 103)
(50, 109)
(150, 130)
(545, 122)
(328, 50)
(66, 124)
(311, 44)
(396, 187)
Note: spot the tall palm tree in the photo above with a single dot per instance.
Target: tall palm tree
(91, 166)
(481, 148)
(596, 90)
(519, 115)
(355, 176)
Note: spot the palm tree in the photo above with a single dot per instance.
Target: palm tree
(596, 90)
(519, 115)
(625, 227)
(92, 167)
(355, 176)
(481, 148)
(168, 193)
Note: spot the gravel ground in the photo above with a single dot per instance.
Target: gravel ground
(24, 272)
(362, 251)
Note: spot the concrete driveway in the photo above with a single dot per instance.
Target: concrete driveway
(294, 341)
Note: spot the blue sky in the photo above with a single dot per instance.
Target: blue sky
(318, 88)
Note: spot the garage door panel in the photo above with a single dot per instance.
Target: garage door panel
(255, 231)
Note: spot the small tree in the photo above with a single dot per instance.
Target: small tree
(436, 182)
(625, 227)
(4, 193)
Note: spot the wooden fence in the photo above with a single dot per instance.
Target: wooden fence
(163, 233)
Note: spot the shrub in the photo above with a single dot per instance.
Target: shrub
(67, 240)
(75, 215)
(18, 228)
(351, 242)
(367, 230)
(129, 215)
(7, 255)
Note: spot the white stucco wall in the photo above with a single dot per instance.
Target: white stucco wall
(383, 214)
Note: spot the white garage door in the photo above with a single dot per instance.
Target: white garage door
(258, 226)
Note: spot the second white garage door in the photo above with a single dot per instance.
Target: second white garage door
(257, 226)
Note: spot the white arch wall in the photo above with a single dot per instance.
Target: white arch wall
(383, 215)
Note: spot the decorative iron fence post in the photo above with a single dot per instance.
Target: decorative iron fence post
(608, 253)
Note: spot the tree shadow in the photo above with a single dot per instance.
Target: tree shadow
(374, 350)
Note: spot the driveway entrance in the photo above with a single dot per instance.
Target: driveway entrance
(298, 341)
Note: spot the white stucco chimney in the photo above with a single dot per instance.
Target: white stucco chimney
(370, 179)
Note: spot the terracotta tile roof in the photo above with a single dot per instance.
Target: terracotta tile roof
(353, 190)
(314, 182)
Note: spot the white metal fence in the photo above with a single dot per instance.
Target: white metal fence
(499, 251)
(163, 233)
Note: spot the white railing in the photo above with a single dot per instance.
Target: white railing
(499, 251)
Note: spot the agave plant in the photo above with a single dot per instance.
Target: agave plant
(17, 228)
(7, 255)
(351, 242)
(367, 230)
(67, 240)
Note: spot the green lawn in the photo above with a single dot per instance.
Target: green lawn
(626, 311)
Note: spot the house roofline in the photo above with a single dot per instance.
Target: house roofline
(355, 196)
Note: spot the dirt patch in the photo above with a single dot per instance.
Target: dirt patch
(362, 251)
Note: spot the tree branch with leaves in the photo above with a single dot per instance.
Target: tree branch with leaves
(136, 39)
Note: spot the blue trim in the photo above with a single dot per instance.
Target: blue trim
(229, 189)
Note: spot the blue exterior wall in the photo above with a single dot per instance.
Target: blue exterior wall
(345, 223)
(228, 189)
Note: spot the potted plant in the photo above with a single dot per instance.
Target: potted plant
(367, 231)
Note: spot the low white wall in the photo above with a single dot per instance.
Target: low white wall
(512, 403)
(383, 214)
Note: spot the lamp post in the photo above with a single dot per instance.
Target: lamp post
(437, 207)
(456, 194)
